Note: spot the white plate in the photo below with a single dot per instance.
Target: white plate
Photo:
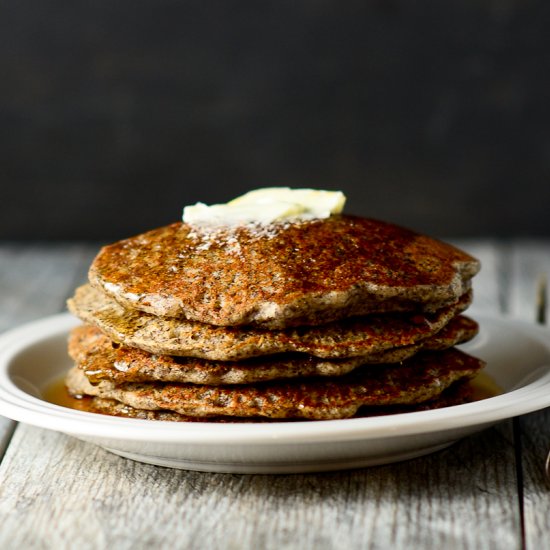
(517, 355)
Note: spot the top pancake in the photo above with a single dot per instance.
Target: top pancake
(281, 275)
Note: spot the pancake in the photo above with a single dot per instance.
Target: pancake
(459, 393)
(282, 274)
(421, 378)
(355, 337)
(95, 355)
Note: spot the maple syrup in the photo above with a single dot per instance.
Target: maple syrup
(57, 394)
(483, 387)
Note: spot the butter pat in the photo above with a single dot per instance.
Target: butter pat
(268, 205)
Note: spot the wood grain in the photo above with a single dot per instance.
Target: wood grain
(53, 485)
(35, 281)
(529, 260)
(489, 283)
(6, 431)
(58, 492)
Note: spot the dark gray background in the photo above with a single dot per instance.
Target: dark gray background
(114, 115)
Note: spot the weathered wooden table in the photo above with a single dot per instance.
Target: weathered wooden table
(487, 491)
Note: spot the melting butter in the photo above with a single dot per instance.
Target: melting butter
(268, 205)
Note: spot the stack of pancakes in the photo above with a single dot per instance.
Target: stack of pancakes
(320, 319)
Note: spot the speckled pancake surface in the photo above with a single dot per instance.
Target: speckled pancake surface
(95, 355)
(421, 378)
(359, 336)
(281, 275)
(458, 393)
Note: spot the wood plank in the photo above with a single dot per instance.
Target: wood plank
(35, 281)
(488, 284)
(535, 432)
(530, 260)
(7, 427)
(58, 492)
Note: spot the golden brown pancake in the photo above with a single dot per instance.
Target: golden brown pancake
(284, 274)
(457, 394)
(355, 337)
(95, 355)
(421, 378)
